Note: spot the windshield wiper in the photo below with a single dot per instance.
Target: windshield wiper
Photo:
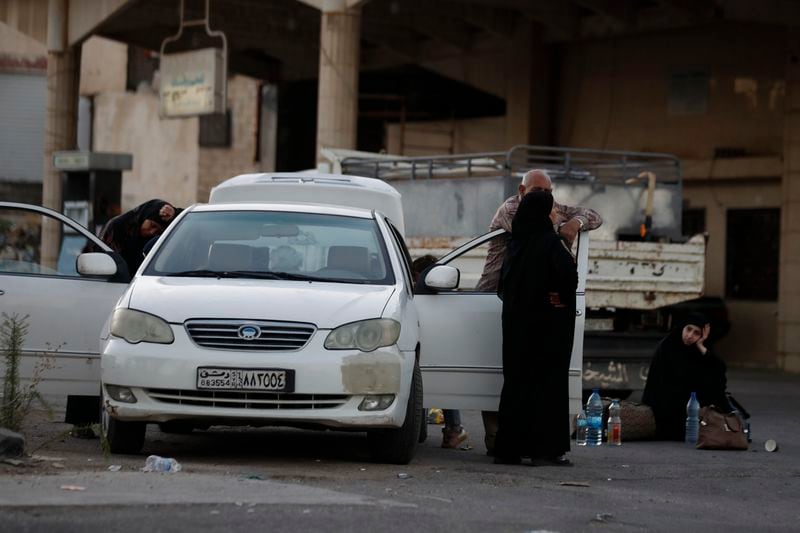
(305, 277)
(255, 274)
(223, 274)
(298, 277)
(195, 274)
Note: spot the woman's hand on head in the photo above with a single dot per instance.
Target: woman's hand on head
(166, 212)
(701, 343)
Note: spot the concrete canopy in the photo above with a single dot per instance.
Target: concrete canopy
(279, 39)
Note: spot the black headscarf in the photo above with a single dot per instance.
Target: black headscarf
(674, 339)
(695, 318)
(533, 215)
(122, 233)
(532, 219)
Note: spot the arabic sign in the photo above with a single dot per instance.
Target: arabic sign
(192, 83)
(615, 374)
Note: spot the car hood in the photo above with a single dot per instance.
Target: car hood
(327, 305)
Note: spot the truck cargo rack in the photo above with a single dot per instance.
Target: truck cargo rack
(578, 164)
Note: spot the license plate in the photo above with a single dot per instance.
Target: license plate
(253, 379)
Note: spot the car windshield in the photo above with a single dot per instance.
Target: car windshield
(274, 245)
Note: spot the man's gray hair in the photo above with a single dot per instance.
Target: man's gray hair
(529, 175)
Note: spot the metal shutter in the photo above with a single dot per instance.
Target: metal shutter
(23, 100)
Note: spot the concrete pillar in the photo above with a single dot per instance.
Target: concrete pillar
(789, 273)
(339, 53)
(529, 116)
(519, 80)
(60, 133)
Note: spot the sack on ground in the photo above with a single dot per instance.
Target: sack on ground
(720, 431)
(638, 421)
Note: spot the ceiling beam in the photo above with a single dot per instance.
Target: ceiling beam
(415, 18)
(777, 12)
(410, 49)
(329, 6)
(620, 13)
(560, 19)
(498, 22)
(697, 9)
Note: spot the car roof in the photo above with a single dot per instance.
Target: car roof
(312, 187)
(296, 207)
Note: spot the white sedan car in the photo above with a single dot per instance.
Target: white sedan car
(257, 309)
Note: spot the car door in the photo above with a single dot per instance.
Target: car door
(461, 338)
(64, 311)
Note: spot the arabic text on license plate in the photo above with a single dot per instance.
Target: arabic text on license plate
(241, 379)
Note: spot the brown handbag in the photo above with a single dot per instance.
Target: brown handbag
(720, 431)
(638, 422)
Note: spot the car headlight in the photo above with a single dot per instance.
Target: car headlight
(136, 326)
(366, 335)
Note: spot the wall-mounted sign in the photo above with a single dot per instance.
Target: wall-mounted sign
(71, 160)
(86, 161)
(192, 83)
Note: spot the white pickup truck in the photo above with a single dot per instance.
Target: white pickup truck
(643, 274)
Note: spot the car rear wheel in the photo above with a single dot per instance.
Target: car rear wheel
(397, 446)
(122, 437)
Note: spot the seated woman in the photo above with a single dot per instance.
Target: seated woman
(681, 365)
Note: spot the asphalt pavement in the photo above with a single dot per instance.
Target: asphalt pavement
(280, 479)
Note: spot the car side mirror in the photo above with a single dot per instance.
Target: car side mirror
(442, 277)
(96, 264)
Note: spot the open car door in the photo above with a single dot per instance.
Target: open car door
(461, 335)
(64, 310)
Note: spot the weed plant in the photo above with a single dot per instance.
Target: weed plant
(17, 399)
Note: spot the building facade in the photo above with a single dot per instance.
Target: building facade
(712, 81)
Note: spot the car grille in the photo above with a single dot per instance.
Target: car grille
(227, 334)
(248, 400)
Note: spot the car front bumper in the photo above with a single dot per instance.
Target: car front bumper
(329, 385)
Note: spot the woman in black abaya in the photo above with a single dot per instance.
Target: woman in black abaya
(537, 286)
(681, 365)
(128, 233)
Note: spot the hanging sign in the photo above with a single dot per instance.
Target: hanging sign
(192, 83)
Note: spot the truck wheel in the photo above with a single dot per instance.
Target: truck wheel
(397, 445)
(122, 437)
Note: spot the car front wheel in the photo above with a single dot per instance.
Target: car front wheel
(398, 445)
(122, 437)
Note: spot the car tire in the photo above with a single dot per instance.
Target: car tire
(122, 437)
(398, 445)
(423, 427)
(176, 427)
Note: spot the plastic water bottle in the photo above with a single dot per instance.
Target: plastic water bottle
(614, 424)
(692, 419)
(580, 428)
(155, 463)
(594, 419)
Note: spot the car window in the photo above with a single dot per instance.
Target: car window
(284, 244)
(470, 263)
(22, 250)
